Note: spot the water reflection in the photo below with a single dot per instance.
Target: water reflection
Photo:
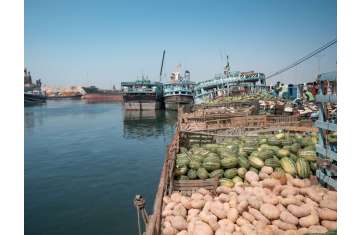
(148, 123)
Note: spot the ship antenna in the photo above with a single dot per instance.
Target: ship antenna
(162, 64)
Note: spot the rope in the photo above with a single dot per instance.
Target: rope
(139, 203)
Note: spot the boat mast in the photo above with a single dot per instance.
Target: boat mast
(162, 64)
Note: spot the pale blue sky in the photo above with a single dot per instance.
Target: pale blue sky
(106, 42)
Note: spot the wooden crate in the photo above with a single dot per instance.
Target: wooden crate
(186, 187)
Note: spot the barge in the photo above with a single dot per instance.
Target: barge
(142, 95)
(179, 91)
(94, 94)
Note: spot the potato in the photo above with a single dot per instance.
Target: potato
(193, 213)
(328, 204)
(182, 232)
(204, 191)
(223, 189)
(242, 206)
(315, 196)
(238, 189)
(251, 176)
(309, 220)
(300, 198)
(224, 197)
(291, 232)
(233, 201)
(197, 196)
(289, 200)
(170, 206)
(330, 225)
(179, 210)
(221, 231)
(202, 228)
(282, 225)
(267, 170)
(303, 231)
(272, 199)
(289, 218)
(169, 231)
(178, 222)
(263, 175)
(254, 202)
(270, 182)
(208, 197)
(249, 217)
(277, 189)
(270, 211)
(247, 230)
(217, 208)
(281, 207)
(197, 203)
(241, 221)
(166, 212)
(327, 214)
(227, 225)
(299, 211)
(298, 183)
(166, 199)
(175, 197)
(289, 191)
(311, 202)
(232, 214)
(258, 215)
(237, 233)
(185, 201)
(256, 184)
(213, 223)
(207, 216)
(317, 229)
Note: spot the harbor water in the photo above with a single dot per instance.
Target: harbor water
(84, 163)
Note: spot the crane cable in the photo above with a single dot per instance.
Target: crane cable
(308, 56)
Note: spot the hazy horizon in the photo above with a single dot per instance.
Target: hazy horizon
(103, 43)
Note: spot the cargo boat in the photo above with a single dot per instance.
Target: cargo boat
(94, 94)
(179, 91)
(32, 92)
(142, 95)
(228, 83)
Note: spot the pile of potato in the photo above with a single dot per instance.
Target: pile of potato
(269, 206)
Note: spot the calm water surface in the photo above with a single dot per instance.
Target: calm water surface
(84, 163)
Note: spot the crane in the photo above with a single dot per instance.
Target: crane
(162, 64)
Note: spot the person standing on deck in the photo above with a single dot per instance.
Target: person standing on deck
(308, 95)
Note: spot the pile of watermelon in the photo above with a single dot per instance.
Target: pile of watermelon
(230, 160)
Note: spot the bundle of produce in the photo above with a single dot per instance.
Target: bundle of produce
(231, 159)
(278, 204)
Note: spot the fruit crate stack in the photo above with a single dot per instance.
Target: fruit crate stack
(326, 147)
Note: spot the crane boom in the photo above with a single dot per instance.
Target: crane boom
(162, 64)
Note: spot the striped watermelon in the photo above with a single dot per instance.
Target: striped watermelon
(303, 168)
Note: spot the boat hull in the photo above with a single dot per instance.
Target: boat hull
(141, 101)
(174, 102)
(32, 99)
(98, 97)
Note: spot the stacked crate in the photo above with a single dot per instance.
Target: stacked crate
(326, 100)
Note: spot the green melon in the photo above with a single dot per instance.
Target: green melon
(211, 165)
(217, 173)
(230, 173)
(283, 153)
(229, 162)
(272, 162)
(308, 155)
(226, 182)
(202, 173)
(194, 164)
(243, 162)
(288, 165)
(256, 162)
(241, 172)
(302, 168)
(192, 174)
(180, 171)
